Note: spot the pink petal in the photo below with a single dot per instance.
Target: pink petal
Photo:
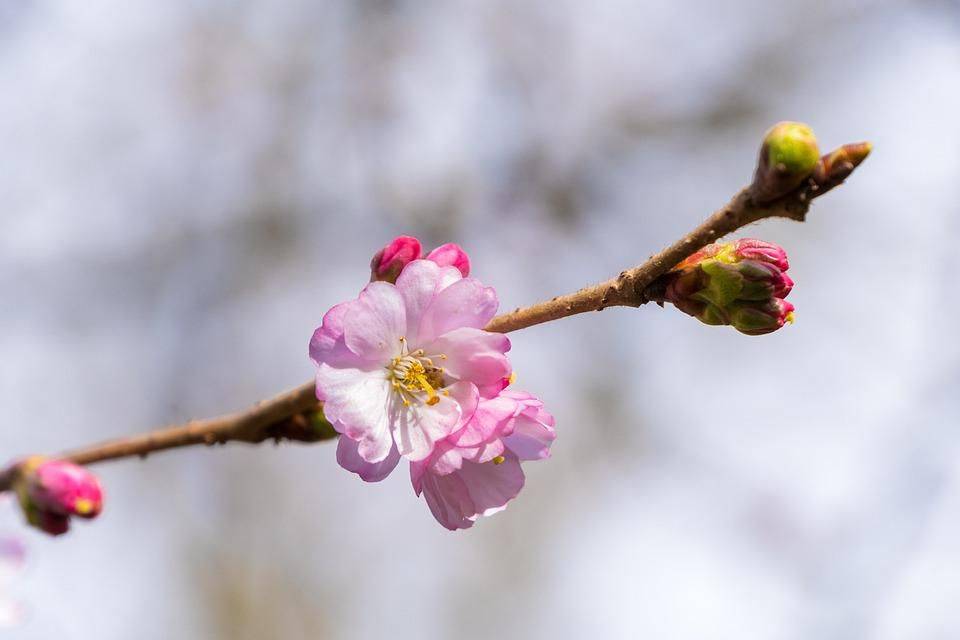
(328, 345)
(374, 324)
(418, 285)
(488, 420)
(418, 471)
(532, 430)
(465, 303)
(416, 427)
(449, 500)
(356, 401)
(350, 459)
(458, 499)
(446, 458)
(474, 355)
(491, 485)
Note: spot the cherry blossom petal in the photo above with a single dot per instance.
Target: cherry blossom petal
(530, 439)
(458, 499)
(355, 402)
(374, 324)
(418, 471)
(491, 485)
(473, 354)
(327, 344)
(419, 284)
(449, 500)
(350, 459)
(467, 396)
(487, 422)
(465, 303)
(532, 431)
(417, 426)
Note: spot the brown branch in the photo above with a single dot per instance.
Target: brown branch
(296, 415)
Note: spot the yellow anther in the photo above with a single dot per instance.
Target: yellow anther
(83, 506)
(413, 373)
(499, 460)
(512, 378)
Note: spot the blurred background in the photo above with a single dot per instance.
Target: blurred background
(185, 188)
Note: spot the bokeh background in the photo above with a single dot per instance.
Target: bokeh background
(185, 188)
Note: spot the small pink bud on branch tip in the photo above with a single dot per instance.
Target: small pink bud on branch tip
(788, 155)
(51, 491)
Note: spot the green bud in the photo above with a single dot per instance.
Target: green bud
(788, 155)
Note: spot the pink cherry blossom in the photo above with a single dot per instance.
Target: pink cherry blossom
(476, 470)
(401, 367)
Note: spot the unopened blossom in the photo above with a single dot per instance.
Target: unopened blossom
(476, 471)
(387, 263)
(788, 155)
(742, 284)
(52, 491)
(451, 255)
(403, 365)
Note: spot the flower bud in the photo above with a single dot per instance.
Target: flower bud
(752, 249)
(834, 167)
(739, 283)
(758, 318)
(451, 255)
(788, 155)
(50, 491)
(390, 261)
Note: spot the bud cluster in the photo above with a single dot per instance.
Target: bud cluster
(742, 284)
(51, 491)
(388, 262)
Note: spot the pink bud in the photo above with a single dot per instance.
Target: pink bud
(390, 261)
(752, 249)
(61, 487)
(51, 491)
(451, 255)
(759, 318)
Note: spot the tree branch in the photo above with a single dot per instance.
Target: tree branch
(296, 415)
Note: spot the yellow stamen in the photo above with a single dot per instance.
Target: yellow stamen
(412, 373)
(83, 506)
(512, 378)
(499, 460)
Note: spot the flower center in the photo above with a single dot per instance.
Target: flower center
(413, 375)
